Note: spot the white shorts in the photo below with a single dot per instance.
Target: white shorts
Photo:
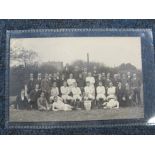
(89, 96)
(111, 97)
(101, 96)
(77, 97)
(66, 97)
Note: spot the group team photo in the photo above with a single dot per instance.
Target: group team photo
(85, 91)
(77, 76)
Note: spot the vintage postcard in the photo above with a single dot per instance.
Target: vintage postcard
(75, 78)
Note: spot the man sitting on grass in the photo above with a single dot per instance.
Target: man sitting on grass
(42, 102)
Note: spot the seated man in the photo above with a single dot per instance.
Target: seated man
(58, 105)
(42, 102)
(21, 101)
(33, 97)
(89, 92)
(76, 92)
(100, 92)
(111, 98)
(54, 91)
(65, 91)
(111, 91)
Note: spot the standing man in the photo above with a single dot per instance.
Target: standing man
(62, 80)
(81, 82)
(38, 81)
(45, 86)
(120, 93)
(124, 79)
(95, 75)
(98, 79)
(71, 81)
(31, 84)
(76, 72)
(108, 80)
(90, 79)
(115, 80)
(84, 74)
(103, 79)
(135, 85)
(129, 78)
(54, 79)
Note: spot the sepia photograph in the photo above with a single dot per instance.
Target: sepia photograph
(75, 79)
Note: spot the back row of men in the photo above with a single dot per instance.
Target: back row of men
(47, 82)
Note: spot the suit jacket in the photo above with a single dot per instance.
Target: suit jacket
(21, 104)
(30, 86)
(45, 86)
(34, 95)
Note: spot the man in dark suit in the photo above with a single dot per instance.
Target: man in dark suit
(31, 84)
(38, 80)
(120, 94)
(81, 82)
(135, 85)
(45, 87)
(33, 97)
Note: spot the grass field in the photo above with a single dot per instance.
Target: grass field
(78, 115)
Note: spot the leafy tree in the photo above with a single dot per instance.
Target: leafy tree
(24, 56)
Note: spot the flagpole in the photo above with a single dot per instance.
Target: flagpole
(87, 62)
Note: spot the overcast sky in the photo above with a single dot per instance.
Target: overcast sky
(112, 51)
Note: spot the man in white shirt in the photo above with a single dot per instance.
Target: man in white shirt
(89, 92)
(65, 90)
(71, 81)
(111, 92)
(100, 92)
(76, 92)
(54, 91)
(90, 79)
(111, 98)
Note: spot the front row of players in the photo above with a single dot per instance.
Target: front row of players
(72, 97)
